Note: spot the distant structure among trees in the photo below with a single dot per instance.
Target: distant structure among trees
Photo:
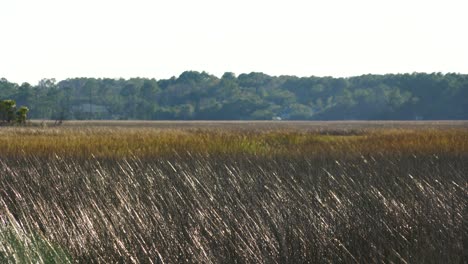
(253, 96)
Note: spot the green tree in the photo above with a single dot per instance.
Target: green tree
(90, 88)
(300, 112)
(7, 110)
(129, 92)
(21, 114)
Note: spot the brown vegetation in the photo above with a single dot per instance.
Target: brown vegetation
(234, 195)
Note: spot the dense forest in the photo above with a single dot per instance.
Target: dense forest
(254, 96)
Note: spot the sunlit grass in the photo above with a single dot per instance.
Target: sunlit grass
(113, 194)
(150, 142)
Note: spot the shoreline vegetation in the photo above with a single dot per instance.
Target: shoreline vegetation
(234, 192)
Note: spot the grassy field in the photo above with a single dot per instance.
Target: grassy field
(234, 192)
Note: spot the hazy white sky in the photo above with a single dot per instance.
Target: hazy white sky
(131, 38)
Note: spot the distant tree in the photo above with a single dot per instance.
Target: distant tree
(229, 76)
(185, 111)
(129, 93)
(9, 113)
(45, 99)
(21, 114)
(90, 88)
(300, 112)
(24, 96)
(7, 110)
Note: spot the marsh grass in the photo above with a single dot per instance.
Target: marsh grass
(145, 195)
(121, 142)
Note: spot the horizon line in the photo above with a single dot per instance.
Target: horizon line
(237, 75)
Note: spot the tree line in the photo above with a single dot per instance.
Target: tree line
(254, 96)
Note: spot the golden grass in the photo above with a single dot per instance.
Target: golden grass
(149, 142)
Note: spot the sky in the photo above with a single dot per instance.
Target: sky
(160, 39)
